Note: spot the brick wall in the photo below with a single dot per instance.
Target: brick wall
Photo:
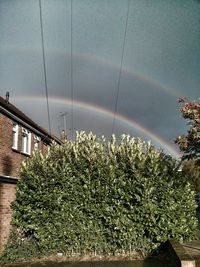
(7, 196)
(10, 161)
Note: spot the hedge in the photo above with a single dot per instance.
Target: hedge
(94, 196)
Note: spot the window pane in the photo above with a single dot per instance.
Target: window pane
(26, 141)
(15, 136)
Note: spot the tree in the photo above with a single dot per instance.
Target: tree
(192, 171)
(190, 144)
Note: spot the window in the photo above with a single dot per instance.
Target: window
(15, 136)
(37, 140)
(26, 141)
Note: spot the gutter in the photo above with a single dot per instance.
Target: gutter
(8, 179)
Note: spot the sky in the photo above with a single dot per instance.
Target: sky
(120, 63)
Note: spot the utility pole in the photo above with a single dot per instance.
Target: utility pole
(64, 131)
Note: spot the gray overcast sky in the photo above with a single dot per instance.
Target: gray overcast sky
(161, 62)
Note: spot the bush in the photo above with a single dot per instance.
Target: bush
(20, 248)
(97, 196)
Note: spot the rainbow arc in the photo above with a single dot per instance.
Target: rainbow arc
(90, 107)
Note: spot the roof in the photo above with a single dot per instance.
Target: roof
(14, 112)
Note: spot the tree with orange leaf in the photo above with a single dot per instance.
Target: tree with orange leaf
(190, 144)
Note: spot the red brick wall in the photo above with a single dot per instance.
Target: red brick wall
(10, 161)
(7, 195)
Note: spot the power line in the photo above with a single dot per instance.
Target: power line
(120, 70)
(44, 66)
(72, 82)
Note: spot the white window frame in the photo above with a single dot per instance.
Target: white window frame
(26, 141)
(15, 131)
(37, 140)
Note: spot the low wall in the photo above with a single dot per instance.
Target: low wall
(179, 255)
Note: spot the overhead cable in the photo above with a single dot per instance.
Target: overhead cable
(44, 66)
(72, 78)
(120, 69)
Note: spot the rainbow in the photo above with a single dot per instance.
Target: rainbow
(98, 109)
(97, 60)
(139, 75)
(89, 107)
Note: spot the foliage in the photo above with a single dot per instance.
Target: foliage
(19, 247)
(93, 196)
(190, 144)
(191, 168)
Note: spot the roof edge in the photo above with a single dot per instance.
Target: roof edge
(18, 115)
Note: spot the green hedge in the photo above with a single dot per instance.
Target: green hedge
(95, 196)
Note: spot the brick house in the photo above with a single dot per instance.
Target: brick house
(19, 136)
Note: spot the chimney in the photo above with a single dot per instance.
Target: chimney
(7, 96)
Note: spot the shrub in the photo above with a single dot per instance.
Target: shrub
(96, 196)
(19, 248)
